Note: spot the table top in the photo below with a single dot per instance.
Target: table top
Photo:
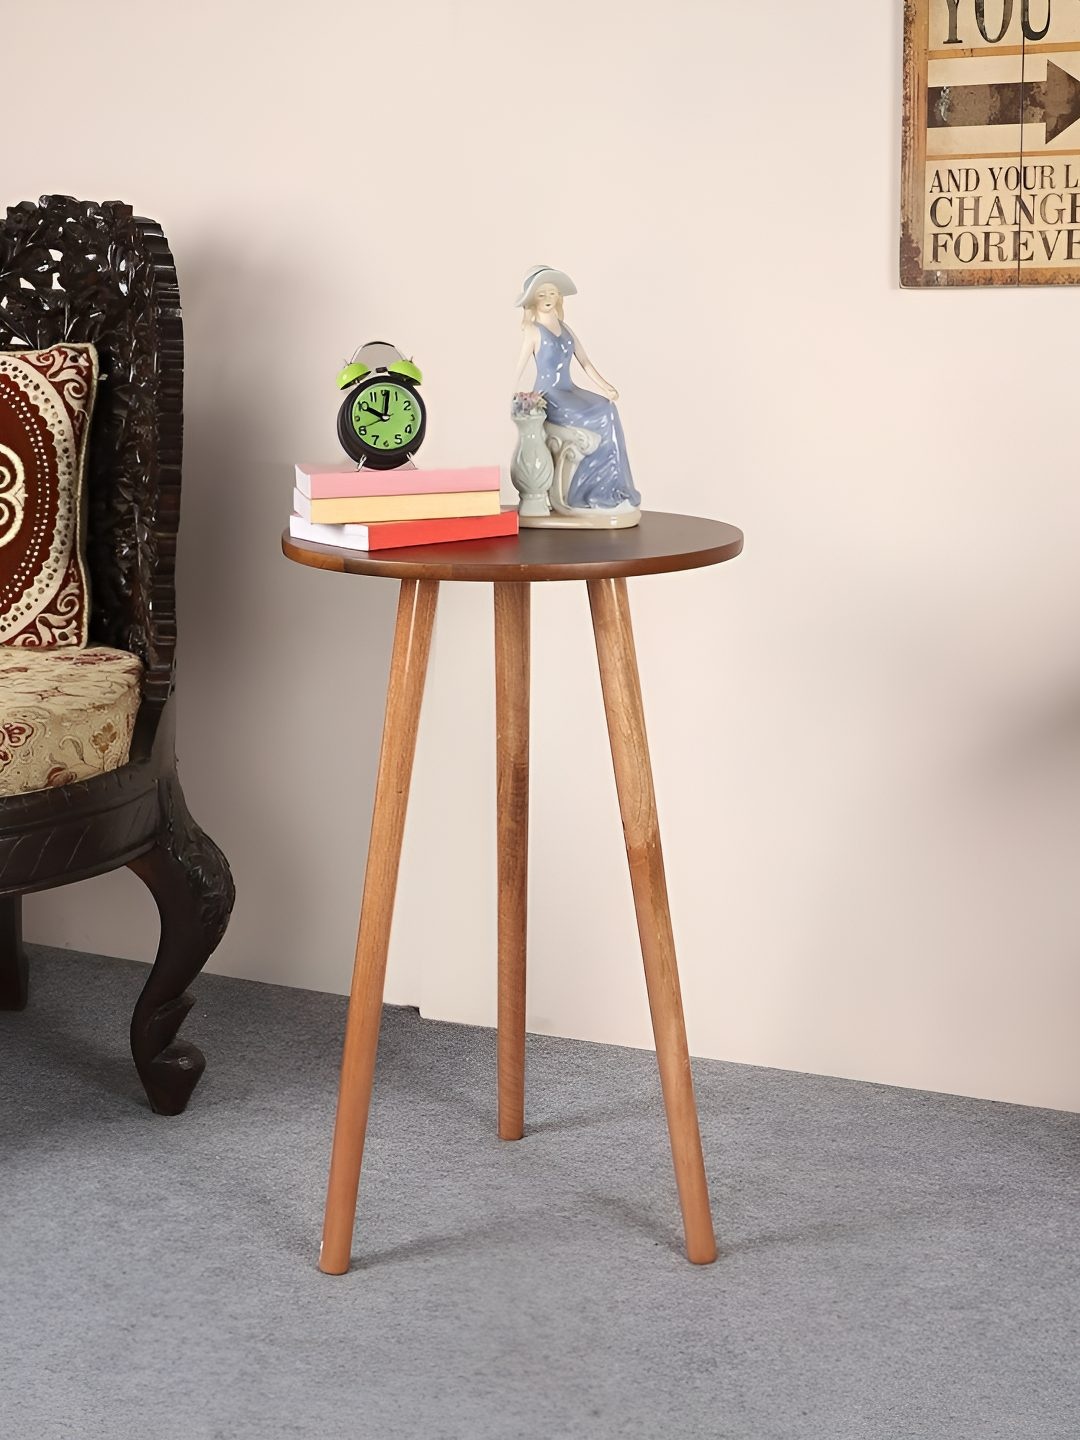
(661, 542)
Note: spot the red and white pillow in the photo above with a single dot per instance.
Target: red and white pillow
(46, 401)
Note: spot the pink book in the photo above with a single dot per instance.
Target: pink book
(346, 482)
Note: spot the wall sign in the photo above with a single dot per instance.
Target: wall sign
(991, 164)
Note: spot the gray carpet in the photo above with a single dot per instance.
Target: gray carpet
(893, 1264)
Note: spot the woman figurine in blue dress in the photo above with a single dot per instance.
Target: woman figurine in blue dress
(593, 486)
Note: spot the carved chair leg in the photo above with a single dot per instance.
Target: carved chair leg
(14, 970)
(190, 880)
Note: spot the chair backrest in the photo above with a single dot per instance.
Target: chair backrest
(72, 270)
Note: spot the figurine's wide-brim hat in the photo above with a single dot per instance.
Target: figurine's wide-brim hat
(545, 275)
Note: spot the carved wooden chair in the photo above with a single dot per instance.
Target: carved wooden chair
(75, 271)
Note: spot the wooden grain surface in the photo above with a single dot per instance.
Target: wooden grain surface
(641, 829)
(662, 542)
(408, 668)
(512, 774)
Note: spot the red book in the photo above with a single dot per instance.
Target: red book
(397, 534)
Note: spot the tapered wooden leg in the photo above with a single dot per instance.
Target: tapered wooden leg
(512, 747)
(14, 969)
(637, 802)
(408, 668)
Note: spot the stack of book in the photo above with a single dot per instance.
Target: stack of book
(386, 509)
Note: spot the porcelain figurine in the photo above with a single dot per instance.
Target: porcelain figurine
(590, 485)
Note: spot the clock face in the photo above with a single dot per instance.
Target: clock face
(386, 416)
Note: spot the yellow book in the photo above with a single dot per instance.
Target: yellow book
(371, 509)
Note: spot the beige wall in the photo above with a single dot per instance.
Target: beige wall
(866, 731)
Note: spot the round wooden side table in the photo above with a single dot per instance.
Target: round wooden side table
(604, 560)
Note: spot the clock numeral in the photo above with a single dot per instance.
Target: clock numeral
(399, 440)
(408, 429)
(362, 430)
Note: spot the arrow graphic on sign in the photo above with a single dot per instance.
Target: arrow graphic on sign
(1055, 101)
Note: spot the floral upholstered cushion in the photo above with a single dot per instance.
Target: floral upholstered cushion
(65, 715)
(46, 400)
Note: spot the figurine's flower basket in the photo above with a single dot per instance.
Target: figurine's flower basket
(531, 469)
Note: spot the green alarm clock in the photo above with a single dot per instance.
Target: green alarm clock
(382, 420)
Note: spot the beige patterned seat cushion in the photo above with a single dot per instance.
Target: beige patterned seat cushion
(64, 715)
